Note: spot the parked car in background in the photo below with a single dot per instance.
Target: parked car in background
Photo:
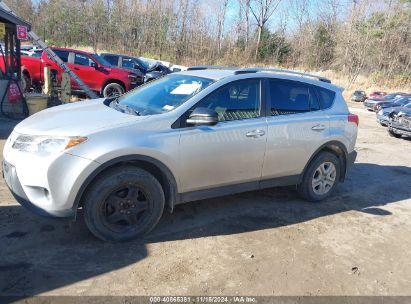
(186, 136)
(371, 102)
(178, 68)
(149, 72)
(95, 72)
(382, 115)
(377, 94)
(397, 102)
(359, 96)
(399, 123)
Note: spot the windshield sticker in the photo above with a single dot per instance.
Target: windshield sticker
(168, 108)
(186, 89)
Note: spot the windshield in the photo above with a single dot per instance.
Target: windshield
(142, 63)
(101, 60)
(164, 94)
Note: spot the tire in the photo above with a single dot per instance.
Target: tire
(392, 134)
(325, 168)
(123, 204)
(113, 89)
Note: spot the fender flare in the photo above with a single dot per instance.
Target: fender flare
(170, 179)
(330, 145)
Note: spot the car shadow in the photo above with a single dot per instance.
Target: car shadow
(39, 255)
(6, 126)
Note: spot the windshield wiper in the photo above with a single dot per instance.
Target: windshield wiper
(124, 108)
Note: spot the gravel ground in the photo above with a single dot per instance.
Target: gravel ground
(257, 243)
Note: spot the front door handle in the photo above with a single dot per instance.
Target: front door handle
(318, 128)
(255, 133)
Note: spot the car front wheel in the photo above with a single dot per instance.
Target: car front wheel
(321, 177)
(124, 203)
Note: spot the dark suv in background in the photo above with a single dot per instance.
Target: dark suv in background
(359, 96)
(150, 72)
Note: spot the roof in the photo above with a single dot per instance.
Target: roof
(9, 17)
(218, 73)
(211, 74)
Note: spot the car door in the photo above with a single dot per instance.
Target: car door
(81, 65)
(230, 152)
(296, 129)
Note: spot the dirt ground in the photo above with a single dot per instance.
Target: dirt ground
(257, 243)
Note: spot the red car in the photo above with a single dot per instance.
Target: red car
(377, 94)
(95, 72)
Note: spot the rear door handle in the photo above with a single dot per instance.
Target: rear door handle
(255, 133)
(77, 69)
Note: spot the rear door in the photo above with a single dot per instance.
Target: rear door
(296, 128)
(232, 151)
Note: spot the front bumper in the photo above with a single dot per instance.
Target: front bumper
(369, 106)
(400, 131)
(16, 189)
(47, 187)
(382, 119)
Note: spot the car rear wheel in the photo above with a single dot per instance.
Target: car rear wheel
(321, 177)
(123, 204)
(113, 90)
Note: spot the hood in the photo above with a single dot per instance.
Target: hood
(75, 119)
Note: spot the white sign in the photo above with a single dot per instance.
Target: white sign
(186, 89)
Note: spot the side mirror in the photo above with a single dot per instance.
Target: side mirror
(94, 65)
(203, 117)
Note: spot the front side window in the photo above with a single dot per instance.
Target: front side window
(163, 94)
(292, 97)
(82, 59)
(235, 101)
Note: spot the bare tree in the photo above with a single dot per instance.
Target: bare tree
(262, 10)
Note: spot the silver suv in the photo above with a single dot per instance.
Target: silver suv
(191, 135)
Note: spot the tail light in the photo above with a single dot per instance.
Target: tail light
(377, 107)
(353, 118)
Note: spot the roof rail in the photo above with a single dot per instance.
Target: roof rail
(210, 67)
(256, 70)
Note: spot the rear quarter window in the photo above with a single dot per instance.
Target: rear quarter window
(326, 97)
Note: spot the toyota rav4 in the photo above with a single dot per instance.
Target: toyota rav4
(187, 136)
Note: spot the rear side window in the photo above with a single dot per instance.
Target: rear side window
(82, 59)
(292, 97)
(113, 60)
(63, 55)
(326, 97)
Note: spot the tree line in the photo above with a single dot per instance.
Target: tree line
(351, 36)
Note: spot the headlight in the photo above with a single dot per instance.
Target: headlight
(45, 144)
